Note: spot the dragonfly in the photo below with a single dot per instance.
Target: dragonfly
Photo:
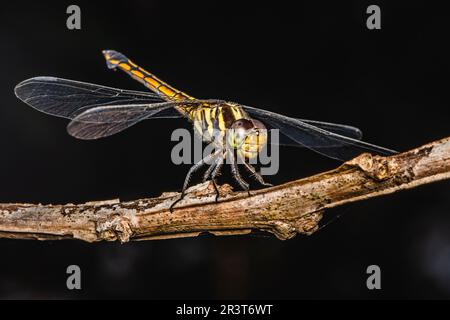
(98, 111)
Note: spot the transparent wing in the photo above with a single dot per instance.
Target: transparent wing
(341, 129)
(68, 98)
(320, 137)
(105, 121)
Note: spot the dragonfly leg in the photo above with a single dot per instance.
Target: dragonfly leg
(258, 177)
(215, 173)
(191, 171)
(209, 171)
(236, 174)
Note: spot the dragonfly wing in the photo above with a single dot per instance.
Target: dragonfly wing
(68, 98)
(341, 129)
(316, 138)
(105, 121)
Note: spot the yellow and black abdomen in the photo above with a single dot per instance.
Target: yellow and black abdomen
(116, 60)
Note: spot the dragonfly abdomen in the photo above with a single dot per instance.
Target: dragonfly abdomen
(116, 60)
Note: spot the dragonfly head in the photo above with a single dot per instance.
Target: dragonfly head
(248, 136)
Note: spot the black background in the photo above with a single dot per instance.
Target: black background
(313, 60)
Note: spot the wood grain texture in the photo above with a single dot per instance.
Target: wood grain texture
(284, 210)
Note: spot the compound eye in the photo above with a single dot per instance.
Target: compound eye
(242, 124)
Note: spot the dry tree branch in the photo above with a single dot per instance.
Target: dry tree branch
(284, 210)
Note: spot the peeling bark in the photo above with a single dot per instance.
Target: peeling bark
(284, 210)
